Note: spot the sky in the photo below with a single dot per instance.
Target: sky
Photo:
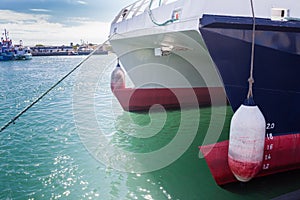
(59, 22)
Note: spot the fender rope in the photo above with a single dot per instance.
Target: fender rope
(251, 79)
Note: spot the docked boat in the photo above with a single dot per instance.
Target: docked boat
(205, 46)
(22, 53)
(270, 39)
(162, 53)
(8, 51)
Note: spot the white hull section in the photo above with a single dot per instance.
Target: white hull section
(185, 61)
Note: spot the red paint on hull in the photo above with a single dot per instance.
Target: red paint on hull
(281, 154)
(244, 171)
(141, 99)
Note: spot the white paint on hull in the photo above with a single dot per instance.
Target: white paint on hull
(188, 65)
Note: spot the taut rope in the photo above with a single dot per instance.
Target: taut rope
(51, 88)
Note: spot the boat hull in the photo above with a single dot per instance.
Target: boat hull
(276, 88)
(170, 80)
(6, 57)
(276, 66)
(142, 99)
(281, 154)
(214, 54)
(23, 57)
(186, 63)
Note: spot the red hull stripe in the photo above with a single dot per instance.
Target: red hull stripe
(143, 98)
(281, 154)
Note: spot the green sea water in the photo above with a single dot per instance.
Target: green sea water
(65, 147)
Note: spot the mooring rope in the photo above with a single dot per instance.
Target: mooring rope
(51, 88)
(251, 79)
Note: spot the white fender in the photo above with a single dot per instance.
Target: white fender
(117, 78)
(246, 142)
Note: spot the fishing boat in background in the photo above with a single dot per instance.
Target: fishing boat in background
(205, 46)
(22, 53)
(8, 51)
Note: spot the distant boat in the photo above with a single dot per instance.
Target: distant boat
(22, 53)
(8, 51)
(6, 48)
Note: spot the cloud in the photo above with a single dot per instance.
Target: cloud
(39, 10)
(8, 16)
(82, 2)
(37, 29)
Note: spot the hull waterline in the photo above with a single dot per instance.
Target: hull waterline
(169, 98)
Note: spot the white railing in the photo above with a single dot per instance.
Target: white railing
(139, 7)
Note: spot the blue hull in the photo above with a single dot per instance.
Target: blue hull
(6, 57)
(276, 66)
